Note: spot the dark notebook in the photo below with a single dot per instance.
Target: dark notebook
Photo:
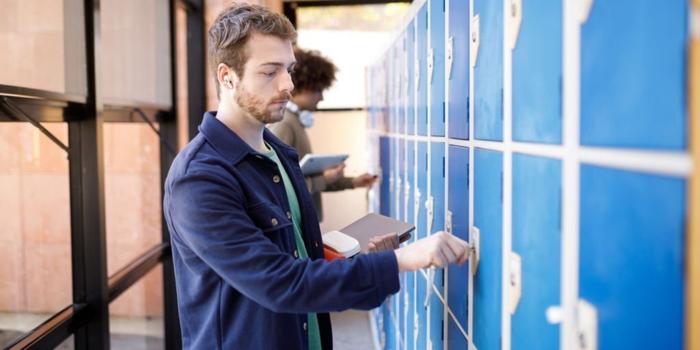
(372, 225)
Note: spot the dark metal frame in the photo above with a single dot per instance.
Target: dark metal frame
(87, 318)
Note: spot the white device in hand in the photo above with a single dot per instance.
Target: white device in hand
(313, 164)
(345, 245)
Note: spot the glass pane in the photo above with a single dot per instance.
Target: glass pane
(182, 93)
(136, 52)
(136, 317)
(33, 30)
(132, 192)
(350, 36)
(35, 234)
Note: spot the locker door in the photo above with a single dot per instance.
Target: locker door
(421, 49)
(421, 195)
(394, 176)
(488, 71)
(400, 194)
(631, 260)
(537, 73)
(437, 195)
(436, 66)
(410, 209)
(401, 83)
(385, 185)
(458, 276)
(488, 211)
(458, 74)
(537, 241)
(411, 58)
(633, 56)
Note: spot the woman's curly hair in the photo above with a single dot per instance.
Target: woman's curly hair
(312, 71)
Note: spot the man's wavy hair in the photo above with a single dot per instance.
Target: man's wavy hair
(233, 27)
(312, 72)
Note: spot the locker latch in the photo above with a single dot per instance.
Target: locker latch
(474, 43)
(587, 331)
(416, 203)
(516, 18)
(406, 193)
(431, 216)
(448, 222)
(450, 53)
(391, 182)
(431, 64)
(515, 281)
(584, 10)
(398, 186)
(586, 324)
(475, 254)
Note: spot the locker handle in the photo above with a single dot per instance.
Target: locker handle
(431, 216)
(475, 254)
(584, 7)
(587, 323)
(515, 282)
(516, 18)
(450, 53)
(431, 64)
(448, 222)
(474, 43)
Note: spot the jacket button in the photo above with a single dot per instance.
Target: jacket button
(296, 253)
(289, 215)
(305, 326)
(276, 179)
(316, 244)
(274, 221)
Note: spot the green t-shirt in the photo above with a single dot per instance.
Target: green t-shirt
(313, 330)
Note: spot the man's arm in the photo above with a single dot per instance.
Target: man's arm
(208, 214)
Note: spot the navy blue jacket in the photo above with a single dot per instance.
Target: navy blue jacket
(239, 282)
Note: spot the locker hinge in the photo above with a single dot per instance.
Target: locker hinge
(474, 43)
(516, 17)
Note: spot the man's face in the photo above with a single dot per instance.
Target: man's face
(267, 84)
(308, 100)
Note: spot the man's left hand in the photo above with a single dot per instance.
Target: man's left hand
(389, 241)
(364, 180)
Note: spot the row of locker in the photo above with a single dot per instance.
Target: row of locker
(631, 251)
(632, 70)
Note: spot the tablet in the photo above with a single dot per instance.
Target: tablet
(313, 164)
(372, 225)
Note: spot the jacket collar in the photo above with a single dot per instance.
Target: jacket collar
(231, 146)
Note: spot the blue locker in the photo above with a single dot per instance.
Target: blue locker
(422, 49)
(488, 211)
(455, 338)
(458, 204)
(537, 74)
(488, 71)
(633, 76)
(437, 80)
(394, 177)
(410, 207)
(537, 239)
(385, 164)
(400, 314)
(389, 331)
(458, 79)
(400, 83)
(410, 53)
(437, 311)
(631, 257)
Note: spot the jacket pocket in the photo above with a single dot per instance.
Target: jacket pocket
(269, 217)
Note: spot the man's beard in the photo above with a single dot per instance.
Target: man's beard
(258, 108)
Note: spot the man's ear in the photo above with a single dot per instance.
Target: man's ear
(226, 76)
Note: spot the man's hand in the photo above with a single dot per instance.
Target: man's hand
(364, 180)
(439, 250)
(389, 241)
(334, 174)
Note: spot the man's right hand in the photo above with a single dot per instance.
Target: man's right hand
(332, 175)
(439, 250)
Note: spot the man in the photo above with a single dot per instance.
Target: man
(311, 76)
(246, 245)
